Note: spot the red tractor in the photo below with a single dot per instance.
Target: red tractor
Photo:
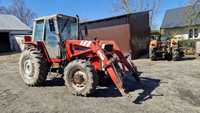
(55, 46)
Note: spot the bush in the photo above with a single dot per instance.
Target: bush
(188, 45)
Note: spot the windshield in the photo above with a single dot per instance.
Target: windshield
(68, 28)
(164, 38)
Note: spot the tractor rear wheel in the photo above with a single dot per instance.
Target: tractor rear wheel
(33, 67)
(176, 55)
(168, 56)
(80, 78)
(152, 54)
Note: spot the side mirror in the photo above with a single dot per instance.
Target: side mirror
(51, 25)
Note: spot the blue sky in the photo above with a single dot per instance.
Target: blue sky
(88, 9)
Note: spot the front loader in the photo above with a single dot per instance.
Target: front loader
(56, 47)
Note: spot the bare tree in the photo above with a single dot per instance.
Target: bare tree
(192, 12)
(130, 6)
(18, 8)
(123, 6)
(193, 2)
(2, 9)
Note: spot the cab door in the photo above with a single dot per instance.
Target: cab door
(51, 39)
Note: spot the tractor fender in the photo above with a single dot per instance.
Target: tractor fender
(29, 44)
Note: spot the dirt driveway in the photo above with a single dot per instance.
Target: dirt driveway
(170, 87)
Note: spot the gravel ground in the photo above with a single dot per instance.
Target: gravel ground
(169, 87)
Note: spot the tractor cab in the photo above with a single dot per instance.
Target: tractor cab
(155, 37)
(53, 31)
(159, 37)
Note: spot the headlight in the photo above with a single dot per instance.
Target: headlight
(107, 47)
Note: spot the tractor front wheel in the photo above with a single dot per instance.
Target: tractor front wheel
(175, 56)
(80, 78)
(33, 67)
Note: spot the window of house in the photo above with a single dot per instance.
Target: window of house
(190, 33)
(196, 33)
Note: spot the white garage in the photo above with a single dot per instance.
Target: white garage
(10, 26)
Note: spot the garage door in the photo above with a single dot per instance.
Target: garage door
(4, 42)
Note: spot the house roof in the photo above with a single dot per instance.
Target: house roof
(12, 23)
(181, 17)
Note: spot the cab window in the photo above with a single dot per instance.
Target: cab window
(164, 38)
(39, 30)
(68, 28)
(50, 35)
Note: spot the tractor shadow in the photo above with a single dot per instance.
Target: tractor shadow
(188, 58)
(54, 82)
(8, 53)
(148, 86)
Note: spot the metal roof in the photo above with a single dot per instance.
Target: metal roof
(113, 17)
(53, 16)
(12, 23)
(181, 17)
(113, 21)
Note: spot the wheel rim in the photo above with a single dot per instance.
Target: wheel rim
(28, 68)
(79, 80)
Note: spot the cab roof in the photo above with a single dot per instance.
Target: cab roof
(53, 16)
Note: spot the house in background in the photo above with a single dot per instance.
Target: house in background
(181, 23)
(130, 31)
(10, 29)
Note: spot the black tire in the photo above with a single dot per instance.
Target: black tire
(168, 56)
(152, 54)
(197, 56)
(175, 55)
(33, 67)
(88, 79)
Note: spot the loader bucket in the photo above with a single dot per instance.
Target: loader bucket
(118, 69)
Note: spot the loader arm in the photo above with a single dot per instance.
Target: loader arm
(110, 69)
(91, 49)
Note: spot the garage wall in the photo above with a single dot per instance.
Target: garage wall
(119, 33)
(4, 42)
(16, 40)
(140, 30)
(130, 32)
